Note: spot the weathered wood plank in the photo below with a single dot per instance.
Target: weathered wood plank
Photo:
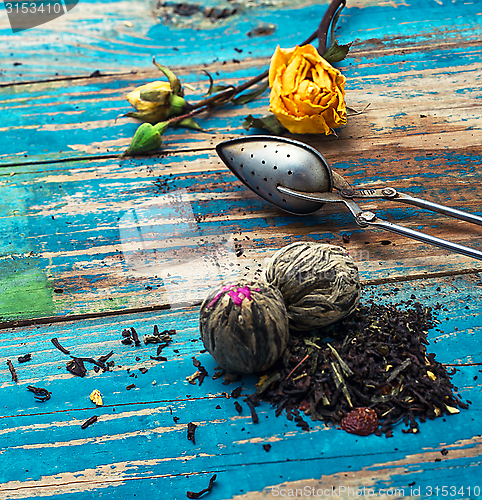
(136, 445)
(414, 103)
(118, 37)
(102, 235)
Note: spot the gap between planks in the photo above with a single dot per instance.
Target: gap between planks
(103, 314)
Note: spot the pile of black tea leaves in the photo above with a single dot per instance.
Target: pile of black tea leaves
(376, 358)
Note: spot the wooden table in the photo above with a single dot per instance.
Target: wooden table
(79, 228)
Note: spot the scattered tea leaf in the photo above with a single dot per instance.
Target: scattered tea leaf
(193, 495)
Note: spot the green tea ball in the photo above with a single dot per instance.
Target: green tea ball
(319, 283)
(245, 326)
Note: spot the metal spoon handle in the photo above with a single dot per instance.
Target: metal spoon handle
(435, 207)
(369, 219)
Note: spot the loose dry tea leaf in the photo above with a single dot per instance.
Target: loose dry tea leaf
(377, 358)
(251, 403)
(238, 407)
(193, 495)
(12, 371)
(41, 394)
(158, 358)
(135, 337)
(89, 421)
(76, 367)
(218, 373)
(25, 358)
(191, 429)
(202, 371)
(131, 386)
(267, 447)
(56, 343)
(105, 357)
(236, 392)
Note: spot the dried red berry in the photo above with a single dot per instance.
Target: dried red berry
(361, 421)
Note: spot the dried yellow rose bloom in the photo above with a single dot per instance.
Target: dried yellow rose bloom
(96, 398)
(307, 92)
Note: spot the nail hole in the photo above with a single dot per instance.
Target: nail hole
(284, 200)
(265, 145)
(275, 168)
(242, 149)
(270, 194)
(241, 165)
(287, 156)
(252, 156)
(252, 172)
(263, 162)
(265, 179)
(289, 172)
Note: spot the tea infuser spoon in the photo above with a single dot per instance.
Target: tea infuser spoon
(298, 179)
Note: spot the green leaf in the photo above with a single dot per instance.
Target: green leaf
(250, 96)
(174, 81)
(215, 88)
(211, 83)
(336, 53)
(189, 123)
(146, 139)
(269, 122)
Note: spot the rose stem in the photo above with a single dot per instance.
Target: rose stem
(321, 32)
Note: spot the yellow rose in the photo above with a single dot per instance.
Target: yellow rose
(307, 93)
(152, 102)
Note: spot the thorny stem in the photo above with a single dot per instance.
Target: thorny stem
(321, 33)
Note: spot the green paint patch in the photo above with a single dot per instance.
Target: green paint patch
(25, 291)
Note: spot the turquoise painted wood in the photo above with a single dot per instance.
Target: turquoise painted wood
(92, 244)
(94, 236)
(136, 447)
(97, 38)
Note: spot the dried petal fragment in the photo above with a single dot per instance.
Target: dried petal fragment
(96, 397)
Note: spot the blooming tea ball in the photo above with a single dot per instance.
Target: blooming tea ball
(245, 326)
(319, 283)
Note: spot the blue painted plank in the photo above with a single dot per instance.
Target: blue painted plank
(71, 230)
(136, 447)
(416, 101)
(96, 37)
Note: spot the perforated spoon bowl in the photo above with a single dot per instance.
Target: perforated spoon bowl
(298, 179)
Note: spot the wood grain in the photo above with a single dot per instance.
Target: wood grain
(136, 446)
